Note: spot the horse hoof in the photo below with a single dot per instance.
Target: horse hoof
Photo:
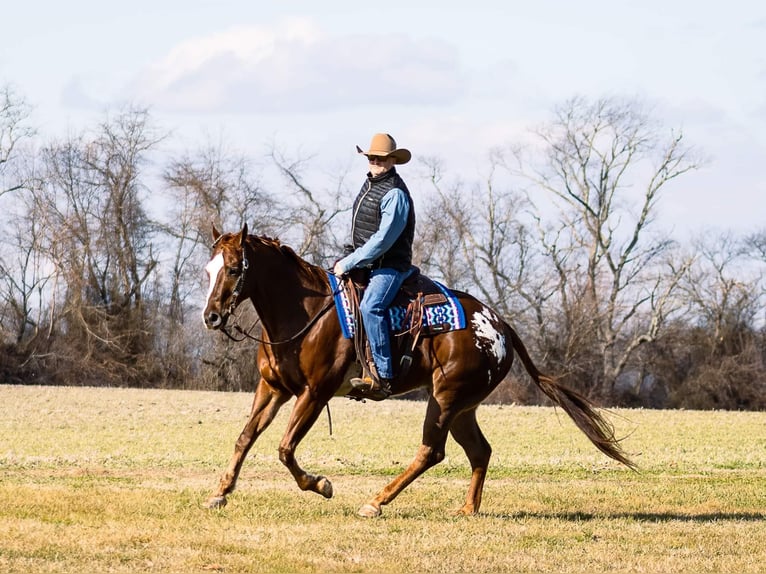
(215, 502)
(369, 511)
(324, 487)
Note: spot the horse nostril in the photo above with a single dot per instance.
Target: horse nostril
(212, 320)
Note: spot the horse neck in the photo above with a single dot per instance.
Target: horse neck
(286, 292)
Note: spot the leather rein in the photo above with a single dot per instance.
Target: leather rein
(247, 334)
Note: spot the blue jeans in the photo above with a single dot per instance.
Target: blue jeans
(383, 287)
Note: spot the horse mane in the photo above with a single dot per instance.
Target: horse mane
(275, 244)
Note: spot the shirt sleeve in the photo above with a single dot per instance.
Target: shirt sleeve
(394, 212)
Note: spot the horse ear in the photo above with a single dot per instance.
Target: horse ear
(216, 233)
(243, 234)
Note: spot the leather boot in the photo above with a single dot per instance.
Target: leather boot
(368, 388)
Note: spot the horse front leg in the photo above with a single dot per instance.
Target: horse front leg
(266, 404)
(305, 412)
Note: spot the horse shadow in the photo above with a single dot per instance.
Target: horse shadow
(648, 517)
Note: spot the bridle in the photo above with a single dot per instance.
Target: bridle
(247, 334)
(240, 281)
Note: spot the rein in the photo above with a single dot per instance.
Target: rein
(246, 334)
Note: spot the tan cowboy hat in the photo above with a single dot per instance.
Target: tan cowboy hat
(384, 145)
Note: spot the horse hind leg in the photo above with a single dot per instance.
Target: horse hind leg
(466, 432)
(426, 457)
(430, 453)
(266, 404)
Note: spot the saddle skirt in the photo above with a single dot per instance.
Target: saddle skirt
(430, 304)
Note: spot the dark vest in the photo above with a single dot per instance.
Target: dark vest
(366, 220)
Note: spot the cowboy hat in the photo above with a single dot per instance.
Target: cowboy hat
(384, 145)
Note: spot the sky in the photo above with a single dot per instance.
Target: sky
(447, 79)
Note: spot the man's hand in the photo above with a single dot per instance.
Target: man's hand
(338, 270)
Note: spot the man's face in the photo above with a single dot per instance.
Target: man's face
(380, 165)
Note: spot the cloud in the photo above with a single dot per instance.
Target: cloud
(296, 68)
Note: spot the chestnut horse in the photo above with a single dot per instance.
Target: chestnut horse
(303, 354)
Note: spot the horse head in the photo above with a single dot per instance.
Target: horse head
(226, 272)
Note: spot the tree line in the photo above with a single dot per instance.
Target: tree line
(106, 235)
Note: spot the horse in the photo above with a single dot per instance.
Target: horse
(303, 354)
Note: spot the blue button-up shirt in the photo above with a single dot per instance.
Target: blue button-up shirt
(394, 211)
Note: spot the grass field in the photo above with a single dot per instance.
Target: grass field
(112, 480)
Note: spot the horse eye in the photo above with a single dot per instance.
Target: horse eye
(233, 271)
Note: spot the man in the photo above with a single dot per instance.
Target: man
(382, 230)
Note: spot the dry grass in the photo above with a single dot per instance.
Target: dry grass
(111, 480)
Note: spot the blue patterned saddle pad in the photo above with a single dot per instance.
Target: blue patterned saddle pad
(447, 316)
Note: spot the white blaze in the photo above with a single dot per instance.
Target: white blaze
(488, 337)
(213, 268)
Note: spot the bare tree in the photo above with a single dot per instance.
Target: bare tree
(473, 237)
(722, 292)
(311, 215)
(15, 114)
(440, 230)
(755, 248)
(24, 276)
(210, 185)
(722, 346)
(91, 204)
(478, 237)
(756, 245)
(20, 270)
(606, 166)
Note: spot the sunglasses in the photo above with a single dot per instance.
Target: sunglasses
(376, 158)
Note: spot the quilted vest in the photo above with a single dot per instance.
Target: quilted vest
(366, 220)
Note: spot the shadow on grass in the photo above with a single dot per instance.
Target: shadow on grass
(637, 516)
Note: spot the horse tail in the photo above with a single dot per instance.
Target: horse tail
(584, 414)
